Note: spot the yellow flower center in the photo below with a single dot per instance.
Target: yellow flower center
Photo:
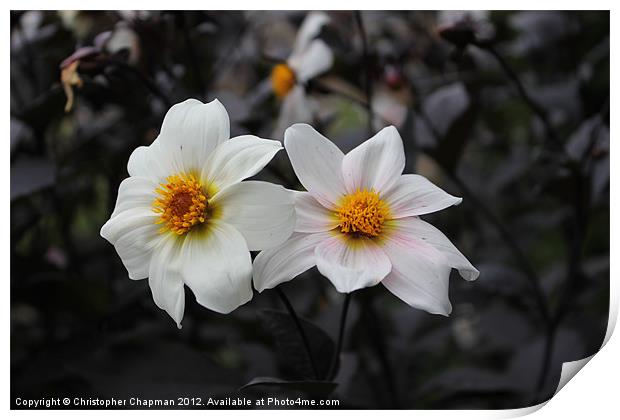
(181, 204)
(362, 213)
(282, 79)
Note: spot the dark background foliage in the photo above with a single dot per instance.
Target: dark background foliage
(509, 110)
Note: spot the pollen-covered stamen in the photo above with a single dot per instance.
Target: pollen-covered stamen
(282, 79)
(362, 213)
(181, 204)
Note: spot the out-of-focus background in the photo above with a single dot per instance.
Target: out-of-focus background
(509, 110)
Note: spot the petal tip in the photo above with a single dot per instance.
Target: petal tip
(103, 232)
(470, 274)
(215, 102)
(293, 128)
(259, 289)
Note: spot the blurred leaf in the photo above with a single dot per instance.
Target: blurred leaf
(450, 115)
(590, 136)
(20, 133)
(31, 174)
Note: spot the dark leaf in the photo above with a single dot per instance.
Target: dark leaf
(292, 353)
(314, 388)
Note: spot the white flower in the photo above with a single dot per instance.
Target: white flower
(309, 58)
(358, 223)
(184, 217)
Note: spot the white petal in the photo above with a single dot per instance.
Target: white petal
(418, 279)
(414, 195)
(296, 108)
(317, 163)
(165, 279)
(191, 131)
(311, 215)
(375, 164)
(131, 228)
(309, 29)
(127, 221)
(136, 248)
(351, 264)
(238, 158)
(134, 234)
(150, 162)
(420, 232)
(314, 60)
(264, 213)
(216, 265)
(286, 261)
(135, 192)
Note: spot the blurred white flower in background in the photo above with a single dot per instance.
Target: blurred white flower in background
(358, 223)
(309, 58)
(184, 217)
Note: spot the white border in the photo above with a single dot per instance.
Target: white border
(596, 387)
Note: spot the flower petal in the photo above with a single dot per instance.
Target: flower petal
(216, 265)
(264, 213)
(375, 164)
(414, 195)
(296, 108)
(311, 215)
(417, 230)
(135, 192)
(191, 131)
(317, 163)
(165, 280)
(134, 234)
(351, 264)
(286, 261)
(309, 29)
(312, 61)
(150, 162)
(238, 158)
(419, 275)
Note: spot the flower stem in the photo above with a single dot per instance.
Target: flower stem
(366, 61)
(538, 110)
(343, 321)
(372, 322)
(148, 83)
(302, 333)
(192, 56)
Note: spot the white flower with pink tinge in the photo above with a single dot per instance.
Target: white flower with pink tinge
(359, 223)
